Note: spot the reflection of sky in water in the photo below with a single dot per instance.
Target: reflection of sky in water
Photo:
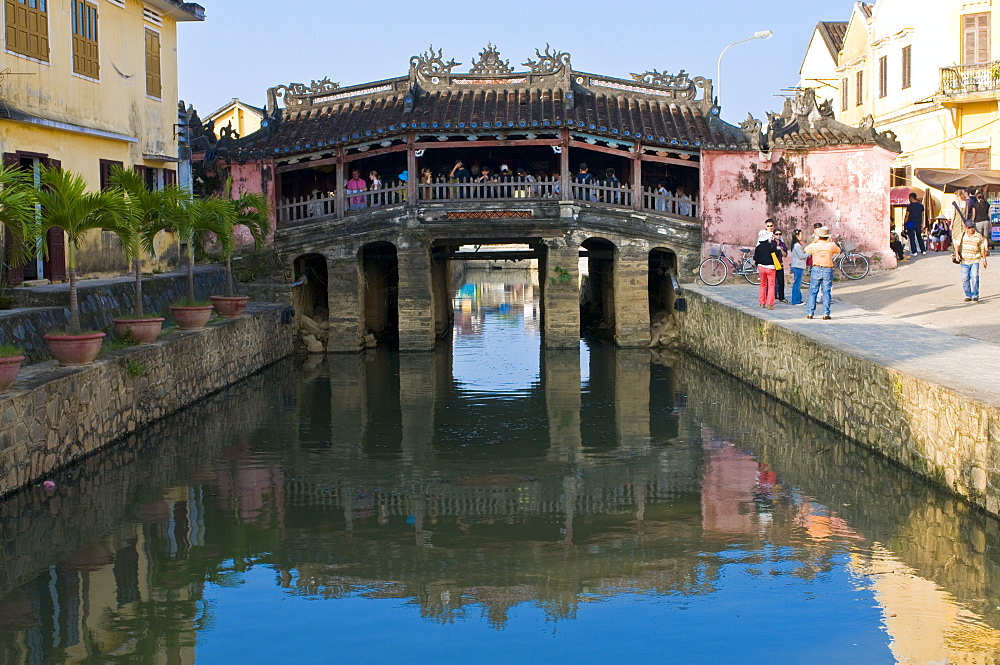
(754, 618)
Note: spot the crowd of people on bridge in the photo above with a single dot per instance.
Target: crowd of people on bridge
(483, 182)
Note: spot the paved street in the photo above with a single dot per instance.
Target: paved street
(912, 319)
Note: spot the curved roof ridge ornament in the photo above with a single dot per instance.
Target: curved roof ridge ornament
(490, 63)
(431, 65)
(549, 62)
(296, 94)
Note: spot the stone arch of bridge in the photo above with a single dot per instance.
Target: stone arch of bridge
(311, 297)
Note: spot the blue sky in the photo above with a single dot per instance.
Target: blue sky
(247, 46)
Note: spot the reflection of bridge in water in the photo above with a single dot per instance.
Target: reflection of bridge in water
(373, 480)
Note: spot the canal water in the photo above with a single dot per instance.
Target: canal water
(494, 503)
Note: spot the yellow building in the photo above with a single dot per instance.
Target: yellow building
(927, 70)
(238, 117)
(86, 84)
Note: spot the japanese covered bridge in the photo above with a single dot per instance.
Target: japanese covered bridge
(370, 208)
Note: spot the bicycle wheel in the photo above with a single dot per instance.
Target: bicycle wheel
(713, 271)
(854, 266)
(749, 271)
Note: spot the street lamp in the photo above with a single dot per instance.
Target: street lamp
(760, 34)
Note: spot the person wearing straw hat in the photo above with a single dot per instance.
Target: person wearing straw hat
(822, 251)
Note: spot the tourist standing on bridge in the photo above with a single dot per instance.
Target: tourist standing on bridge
(799, 259)
(970, 250)
(356, 185)
(822, 251)
(374, 185)
(583, 177)
(766, 258)
(683, 202)
(779, 277)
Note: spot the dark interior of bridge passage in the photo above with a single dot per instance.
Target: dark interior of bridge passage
(380, 272)
(597, 293)
(313, 295)
(662, 267)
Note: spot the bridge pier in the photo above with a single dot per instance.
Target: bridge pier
(559, 279)
(561, 380)
(417, 325)
(631, 299)
(345, 305)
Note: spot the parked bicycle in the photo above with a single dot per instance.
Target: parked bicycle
(714, 270)
(851, 264)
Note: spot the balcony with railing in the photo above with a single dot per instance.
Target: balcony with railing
(978, 81)
(322, 206)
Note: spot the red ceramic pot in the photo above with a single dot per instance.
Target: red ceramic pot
(191, 318)
(229, 307)
(75, 349)
(143, 331)
(9, 368)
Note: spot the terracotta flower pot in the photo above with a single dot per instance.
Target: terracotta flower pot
(9, 369)
(191, 318)
(75, 349)
(143, 331)
(229, 307)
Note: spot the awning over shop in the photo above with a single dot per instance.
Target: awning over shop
(952, 180)
(900, 196)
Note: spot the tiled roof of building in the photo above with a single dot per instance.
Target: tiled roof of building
(833, 34)
(658, 110)
(805, 124)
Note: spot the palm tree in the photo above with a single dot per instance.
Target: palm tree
(65, 203)
(193, 219)
(249, 210)
(151, 209)
(17, 213)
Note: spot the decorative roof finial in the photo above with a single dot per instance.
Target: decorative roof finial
(432, 64)
(490, 62)
(550, 62)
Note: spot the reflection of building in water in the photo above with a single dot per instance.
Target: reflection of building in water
(511, 295)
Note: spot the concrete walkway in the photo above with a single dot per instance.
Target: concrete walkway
(912, 319)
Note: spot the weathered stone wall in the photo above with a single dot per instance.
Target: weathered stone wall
(948, 437)
(53, 417)
(45, 309)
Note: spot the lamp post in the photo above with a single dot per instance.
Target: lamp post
(760, 34)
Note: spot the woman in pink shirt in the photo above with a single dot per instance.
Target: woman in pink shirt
(356, 185)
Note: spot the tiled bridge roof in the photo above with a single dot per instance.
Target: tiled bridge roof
(658, 110)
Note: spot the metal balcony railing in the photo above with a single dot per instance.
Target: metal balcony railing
(965, 79)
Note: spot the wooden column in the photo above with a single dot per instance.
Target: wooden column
(564, 179)
(339, 201)
(637, 177)
(411, 170)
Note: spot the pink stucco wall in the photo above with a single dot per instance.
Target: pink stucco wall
(846, 188)
(257, 177)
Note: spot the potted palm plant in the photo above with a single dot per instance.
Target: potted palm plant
(194, 219)
(17, 214)
(249, 210)
(150, 209)
(64, 203)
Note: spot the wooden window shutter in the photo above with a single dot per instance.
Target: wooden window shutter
(169, 177)
(907, 66)
(153, 83)
(106, 165)
(976, 158)
(27, 29)
(860, 79)
(844, 90)
(883, 76)
(975, 39)
(86, 54)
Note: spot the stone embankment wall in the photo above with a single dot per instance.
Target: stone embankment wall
(55, 416)
(45, 309)
(940, 434)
